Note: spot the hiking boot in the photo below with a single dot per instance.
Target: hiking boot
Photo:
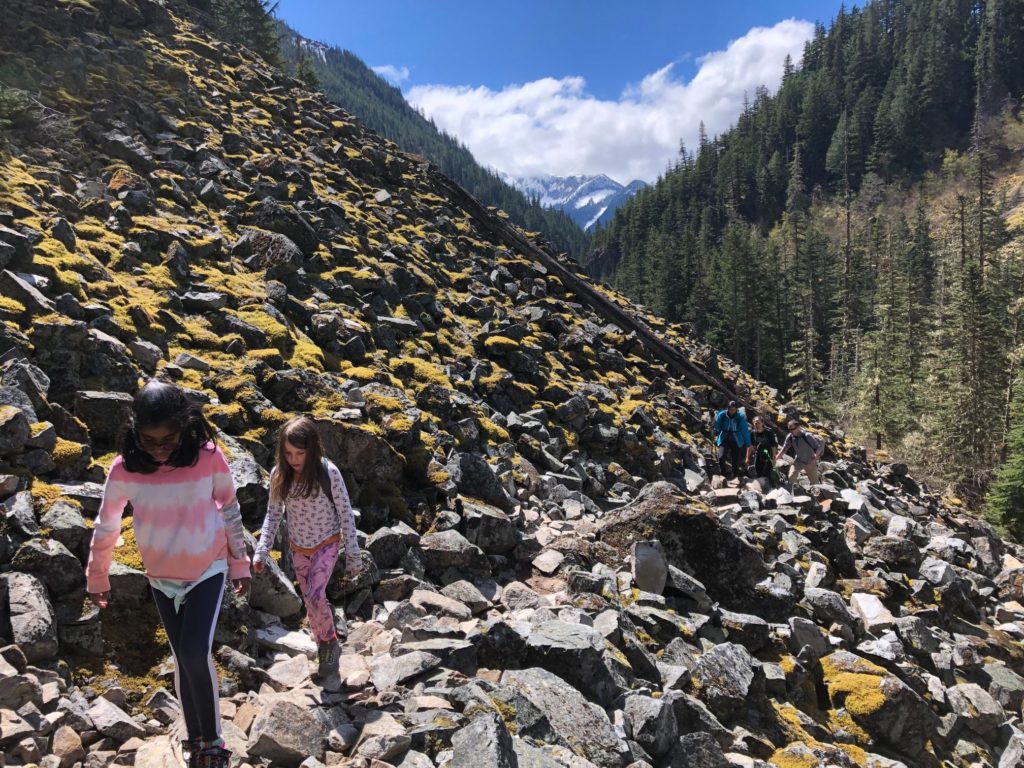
(328, 654)
(212, 757)
(189, 752)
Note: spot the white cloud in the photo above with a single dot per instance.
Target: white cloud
(554, 126)
(396, 75)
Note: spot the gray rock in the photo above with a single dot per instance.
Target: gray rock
(53, 563)
(272, 252)
(890, 710)
(548, 562)
(937, 572)
(24, 386)
(979, 710)
(466, 593)
(869, 608)
(576, 653)
(575, 721)
(752, 632)
(33, 625)
(649, 566)
(485, 741)
(392, 671)
(438, 604)
(14, 429)
(22, 291)
(20, 515)
(699, 750)
(1005, 685)
(730, 567)
(387, 546)
(652, 723)
(204, 301)
(147, 354)
(112, 721)
(727, 678)
(450, 549)
(473, 476)
(517, 595)
(828, 607)
(692, 716)
(804, 633)
(1013, 755)
(916, 635)
(272, 591)
(252, 482)
(67, 526)
(103, 413)
(893, 551)
(384, 747)
(488, 528)
(287, 731)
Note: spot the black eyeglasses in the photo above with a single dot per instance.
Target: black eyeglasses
(148, 443)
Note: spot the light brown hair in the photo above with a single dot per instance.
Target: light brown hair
(301, 433)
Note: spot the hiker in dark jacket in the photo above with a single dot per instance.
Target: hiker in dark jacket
(761, 453)
(732, 436)
(806, 449)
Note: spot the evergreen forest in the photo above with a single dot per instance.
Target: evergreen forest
(855, 238)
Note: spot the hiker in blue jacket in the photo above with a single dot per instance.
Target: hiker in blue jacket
(732, 436)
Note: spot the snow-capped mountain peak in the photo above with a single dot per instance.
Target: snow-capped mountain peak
(585, 199)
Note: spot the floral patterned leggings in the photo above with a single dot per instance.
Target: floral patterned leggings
(313, 571)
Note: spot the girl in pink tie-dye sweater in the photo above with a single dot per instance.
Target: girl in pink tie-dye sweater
(188, 528)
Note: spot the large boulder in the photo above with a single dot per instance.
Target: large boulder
(276, 254)
(695, 540)
(652, 723)
(485, 741)
(32, 621)
(252, 482)
(727, 678)
(473, 476)
(104, 413)
(14, 429)
(287, 730)
(271, 215)
(366, 455)
(59, 569)
(879, 702)
(450, 549)
(488, 528)
(584, 727)
(576, 653)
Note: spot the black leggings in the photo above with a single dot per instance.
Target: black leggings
(730, 449)
(190, 632)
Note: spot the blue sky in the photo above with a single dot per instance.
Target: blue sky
(561, 87)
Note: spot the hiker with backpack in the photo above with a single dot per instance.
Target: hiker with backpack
(806, 448)
(732, 436)
(761, 453)
(320, 519)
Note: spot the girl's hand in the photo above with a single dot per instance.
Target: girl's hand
(353, 568)
(258, 566)
(241, 586)
(102, 599)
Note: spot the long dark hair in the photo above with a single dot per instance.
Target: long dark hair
(301, 433)
(156, 404)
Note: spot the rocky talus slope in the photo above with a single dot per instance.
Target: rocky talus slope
(552, 577)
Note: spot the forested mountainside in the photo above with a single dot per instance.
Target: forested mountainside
(552, 575)
(855, 239)
(346, 80)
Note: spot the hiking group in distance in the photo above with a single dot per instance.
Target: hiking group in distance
(756, 452)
